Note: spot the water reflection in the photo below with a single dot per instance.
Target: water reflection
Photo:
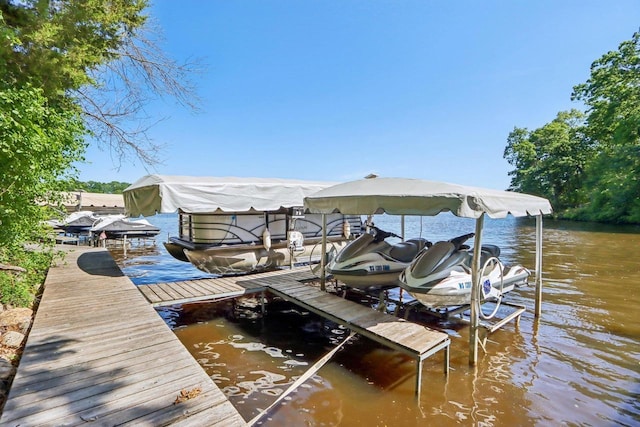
(576, 365)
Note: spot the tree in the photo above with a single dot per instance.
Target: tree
(101, 56)
(612, 95)
(588, 164)
(113, 187)
(550, 161)
(38, 145)
(70, 69)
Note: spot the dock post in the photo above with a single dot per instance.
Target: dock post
(323, 256)
(447, 356)
(538, 303)
(418, 378)
(475, 292)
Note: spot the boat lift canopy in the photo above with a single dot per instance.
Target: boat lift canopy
(153, 194)
(402, 196)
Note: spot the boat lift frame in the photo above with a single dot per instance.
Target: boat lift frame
(474, 324)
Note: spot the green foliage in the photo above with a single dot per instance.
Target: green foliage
(591, 170)
(113, 187)
(56, 58)
(55, 45)
(49, 51)
(38, 145)
(612, 95)
(550, 161)
(20, 289)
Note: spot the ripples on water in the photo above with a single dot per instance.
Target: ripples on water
(578, 365)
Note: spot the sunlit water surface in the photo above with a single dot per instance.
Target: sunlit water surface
(579, 364)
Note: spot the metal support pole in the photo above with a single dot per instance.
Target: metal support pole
(475, 292)
(402, 227)
(418, 378)
(323, 277)
(447, 354)
(538, 304)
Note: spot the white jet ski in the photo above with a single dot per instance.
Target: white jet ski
(369, 262)
(440, 276)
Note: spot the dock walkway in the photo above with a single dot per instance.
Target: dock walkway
(417, 341)
(98, 352)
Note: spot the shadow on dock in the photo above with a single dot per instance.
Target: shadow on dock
(99, 264)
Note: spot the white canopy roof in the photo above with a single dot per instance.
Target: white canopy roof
(401, 196)
(153, 194)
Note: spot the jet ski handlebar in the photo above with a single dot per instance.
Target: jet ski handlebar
(380, 234)
(458, 241)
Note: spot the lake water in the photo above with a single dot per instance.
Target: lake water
(579, 364)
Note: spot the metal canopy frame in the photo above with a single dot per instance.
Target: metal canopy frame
(398, 196)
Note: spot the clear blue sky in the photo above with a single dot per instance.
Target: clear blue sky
(336, 89)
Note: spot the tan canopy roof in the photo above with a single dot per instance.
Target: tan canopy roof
(153, 194)
(401, 196)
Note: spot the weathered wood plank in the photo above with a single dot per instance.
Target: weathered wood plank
(149, 294)
(161, 293)
(186, 290)
(111, 413)
(95, 381)
(76, 350)
(66, 404)
(173, 292)
(303, 292)
(99, 326)
(199, 286)
(189, 410)
(98, 350)
(114, 360)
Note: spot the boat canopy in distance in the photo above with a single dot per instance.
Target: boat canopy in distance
(402, 196)
(153, 194)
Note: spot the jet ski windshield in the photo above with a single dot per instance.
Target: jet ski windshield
(355, 247)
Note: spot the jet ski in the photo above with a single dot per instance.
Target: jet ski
(369, 262)
(440, 277)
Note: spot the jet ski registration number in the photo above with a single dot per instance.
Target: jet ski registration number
(464, 285)
(376, 268)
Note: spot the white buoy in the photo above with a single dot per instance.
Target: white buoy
(266, 239)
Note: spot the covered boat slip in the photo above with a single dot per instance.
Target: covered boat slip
(153, 194)
(229, 210)
(230, 225)
(401, 196)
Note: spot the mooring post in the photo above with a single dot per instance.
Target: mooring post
(475, 292)
(323, 277)
(538, 304)
(418, 378)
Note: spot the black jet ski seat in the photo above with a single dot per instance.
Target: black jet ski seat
(488, 251)
(407, 251)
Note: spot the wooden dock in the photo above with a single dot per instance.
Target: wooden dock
(98, 352)
(417, 341)
(172, 293)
